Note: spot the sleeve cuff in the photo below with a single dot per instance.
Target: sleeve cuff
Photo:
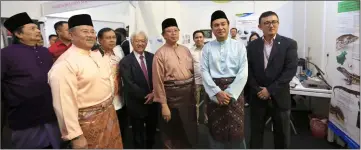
(71, 136)
(270, 91)
(215, 91)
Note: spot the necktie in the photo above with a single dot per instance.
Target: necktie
(142, 64)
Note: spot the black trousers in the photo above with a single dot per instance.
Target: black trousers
(48, 147)
(123, 124)
(281, 126)
(144, 136)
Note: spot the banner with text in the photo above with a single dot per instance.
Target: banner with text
(65, 6)
(345, 101)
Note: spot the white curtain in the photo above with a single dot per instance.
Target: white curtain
(148, 16)
(4, 37)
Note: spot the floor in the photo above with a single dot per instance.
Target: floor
(304, 139)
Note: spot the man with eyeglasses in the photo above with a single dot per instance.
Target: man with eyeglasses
(268, 81)
(173, 85)
(81, 85)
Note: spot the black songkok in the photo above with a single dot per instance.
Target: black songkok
(168, 23)
(78, 20)
(16, 21)
(218, 15)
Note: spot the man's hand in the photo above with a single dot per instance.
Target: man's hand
(80, 142)
(223, 98)
(149, 98)
(166, 112)
(263, 94)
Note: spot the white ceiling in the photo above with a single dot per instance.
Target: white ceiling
(112, 13)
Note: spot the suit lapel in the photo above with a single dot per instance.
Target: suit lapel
(135, 62)
(139, 68)
(149, 61)
(275, 48)
(260, 51)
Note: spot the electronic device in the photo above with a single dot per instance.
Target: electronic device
(315, 84)
(311, 83)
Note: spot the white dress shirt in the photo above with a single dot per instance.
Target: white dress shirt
(197, 55)
(267, 50)
(113, 61)
(137, 55)
(222, 60)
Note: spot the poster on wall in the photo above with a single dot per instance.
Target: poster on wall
(154, 44)
(246, 23)
(186, 39)
(207, 33)
(345, 101)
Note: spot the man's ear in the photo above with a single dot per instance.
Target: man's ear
(56, 31)
(18, 35)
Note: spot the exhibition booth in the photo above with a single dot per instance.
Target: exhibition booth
(327, 35)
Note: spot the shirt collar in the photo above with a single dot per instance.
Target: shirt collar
(59, 42)
(195, 47)
(225, 41)
(271, 41)
(137, 55)
(171, 46)
(80, 50)
(27, 46)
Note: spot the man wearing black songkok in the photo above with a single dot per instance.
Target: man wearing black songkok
(26, 94)
(224, 71)
(82, 85)
(173, 85)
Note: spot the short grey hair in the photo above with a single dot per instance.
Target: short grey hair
(72, 29)
(139, 33)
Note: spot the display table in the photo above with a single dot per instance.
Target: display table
(332, 129)
(312, 92)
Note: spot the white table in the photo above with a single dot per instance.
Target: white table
(311, 92)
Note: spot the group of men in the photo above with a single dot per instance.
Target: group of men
(64, 93)
(73, 97)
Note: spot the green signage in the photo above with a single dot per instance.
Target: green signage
(222, 1)
(347, 6)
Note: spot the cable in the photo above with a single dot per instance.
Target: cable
(324, 80)
(319, 73)
(326, 66)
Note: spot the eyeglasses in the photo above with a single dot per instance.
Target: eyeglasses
(274, 22)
